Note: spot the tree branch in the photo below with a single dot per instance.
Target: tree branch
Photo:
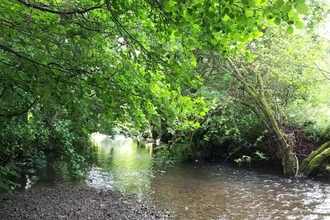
(47, 9)
(322, 71)
(128, 34)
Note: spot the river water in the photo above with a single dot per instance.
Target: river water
(204, 191)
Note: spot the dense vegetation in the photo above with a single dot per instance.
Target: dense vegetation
(230, 78)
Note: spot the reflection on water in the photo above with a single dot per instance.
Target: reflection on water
(197, 191)
(121, 164)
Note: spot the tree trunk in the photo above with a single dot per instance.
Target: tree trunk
(288, 157)
(262, 109)
(289, 161)
(316, 159)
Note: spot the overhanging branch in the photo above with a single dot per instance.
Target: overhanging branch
(127, 32)
(46, 8)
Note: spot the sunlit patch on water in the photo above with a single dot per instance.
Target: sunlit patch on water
(100, 179)
(121, 164)
(323, 207)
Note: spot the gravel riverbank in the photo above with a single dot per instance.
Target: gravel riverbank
(62, 203)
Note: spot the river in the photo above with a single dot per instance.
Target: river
(204, 191)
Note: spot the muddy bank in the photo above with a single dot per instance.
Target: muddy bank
(76, 203)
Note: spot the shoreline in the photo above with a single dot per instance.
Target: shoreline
(66, 203)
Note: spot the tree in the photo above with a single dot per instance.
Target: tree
(282, 72)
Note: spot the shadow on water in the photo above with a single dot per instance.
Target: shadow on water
(204, 191)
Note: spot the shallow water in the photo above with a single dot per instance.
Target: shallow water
(205, 191)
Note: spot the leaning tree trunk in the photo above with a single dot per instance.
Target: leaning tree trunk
(262, 109)
(316, 159)
(289, 162)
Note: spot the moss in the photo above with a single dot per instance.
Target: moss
(288, 163)
(316, 163)
(306, 162)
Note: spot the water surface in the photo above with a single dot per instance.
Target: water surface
(205, 191)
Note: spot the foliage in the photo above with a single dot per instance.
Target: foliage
(67, 141)
(16, 141)
(281, 70)
(162, 153)
(243, 159)
(8, 174)
(69, 69)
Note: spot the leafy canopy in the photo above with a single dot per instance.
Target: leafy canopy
(130, 57)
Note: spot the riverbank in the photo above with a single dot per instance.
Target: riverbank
(76, 203)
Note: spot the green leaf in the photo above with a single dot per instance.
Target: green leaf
(193, 61)
(170, 6)
(289, 30)
(214, 41)
(302, 8)
(249, 13)
(225, 18)
(252, 3)
(245, 2)
(84, 130)
(299, 25)
(287, 8)
(97, 78)
(269, 16)
(279, 3)
(195, 28)
(277, 21)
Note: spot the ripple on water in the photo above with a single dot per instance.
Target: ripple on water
(270, 197)
(195, 191)
(97, 178)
